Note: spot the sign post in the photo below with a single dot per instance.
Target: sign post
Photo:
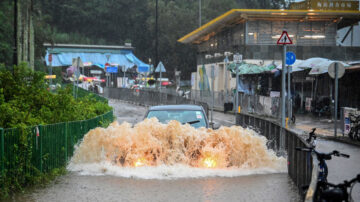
(336, 70)
(290, 59)
(213, 91)
(283, 40)
(76, 63)
(237, 60)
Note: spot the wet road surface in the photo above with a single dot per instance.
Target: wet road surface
(76, 187)
(73, 187)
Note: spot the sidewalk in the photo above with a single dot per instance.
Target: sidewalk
(324, 127)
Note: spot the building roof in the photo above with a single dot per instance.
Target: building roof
(80, 46)
(175, 107)
(237, 16)
(63, 54)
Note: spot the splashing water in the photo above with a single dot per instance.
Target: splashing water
(154, 150)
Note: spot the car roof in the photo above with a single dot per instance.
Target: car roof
(175, 107)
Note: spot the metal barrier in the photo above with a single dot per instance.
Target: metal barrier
(150, 97)
(300, 164)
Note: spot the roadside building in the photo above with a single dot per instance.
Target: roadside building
(254, 32)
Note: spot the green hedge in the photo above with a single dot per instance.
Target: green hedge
(40, 131)
(27, 153)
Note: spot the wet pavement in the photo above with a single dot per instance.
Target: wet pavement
(324, 126)
(76, 187)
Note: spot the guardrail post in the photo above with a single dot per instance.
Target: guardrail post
(2, 153)
(66, 142)
(41, 133)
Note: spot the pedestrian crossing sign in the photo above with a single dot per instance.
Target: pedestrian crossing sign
(284, 39)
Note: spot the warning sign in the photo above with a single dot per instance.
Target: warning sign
(284, 39)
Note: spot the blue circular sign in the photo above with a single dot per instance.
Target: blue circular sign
(290, 58)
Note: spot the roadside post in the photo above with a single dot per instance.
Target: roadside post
(283, 40)
(50, 68)
(237, 59)
(123, 69)
(290, 59)
(76, 63)
(226, 61)
(213, 91)
(160, 68)
(336, 70)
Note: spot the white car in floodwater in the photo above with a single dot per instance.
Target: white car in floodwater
(186, 114)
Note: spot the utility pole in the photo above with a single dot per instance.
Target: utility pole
(156, 34)
(15, 55)
(199, 13)
(283, 90)
(336, 97)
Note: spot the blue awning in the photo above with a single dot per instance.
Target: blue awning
(123, 58)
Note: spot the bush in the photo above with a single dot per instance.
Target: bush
(25, 101)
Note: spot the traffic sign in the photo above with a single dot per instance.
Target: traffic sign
(77, 61)
(143, 68)
(290, 58)
(112, 69)
(341, 70)
(160, 67)
(237, 58)
(284, 39)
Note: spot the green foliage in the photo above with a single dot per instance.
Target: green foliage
(25, 101)
(6, 34)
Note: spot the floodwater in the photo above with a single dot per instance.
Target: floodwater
(104, 170)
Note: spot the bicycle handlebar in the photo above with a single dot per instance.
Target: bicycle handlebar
(345, 183)
(323, 156)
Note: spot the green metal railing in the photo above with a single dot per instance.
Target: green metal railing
(39, 149)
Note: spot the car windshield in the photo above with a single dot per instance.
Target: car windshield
(196, 117)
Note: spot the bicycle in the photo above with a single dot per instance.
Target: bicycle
(323, 169)
(355, 127)
(339, 192)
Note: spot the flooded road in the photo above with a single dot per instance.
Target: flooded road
(74, 187)
(187, 185)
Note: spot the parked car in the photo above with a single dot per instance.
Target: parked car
(185, 114)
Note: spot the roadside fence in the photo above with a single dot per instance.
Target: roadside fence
(28, 152)
(300, 164)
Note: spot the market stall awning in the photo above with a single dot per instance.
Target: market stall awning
(62, 55)
(245, 68)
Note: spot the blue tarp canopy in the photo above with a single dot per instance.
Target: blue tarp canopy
(123, 58)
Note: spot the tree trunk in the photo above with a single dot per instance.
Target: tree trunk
(25, 33)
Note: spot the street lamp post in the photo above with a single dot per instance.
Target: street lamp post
(212, 87)
(226, 61)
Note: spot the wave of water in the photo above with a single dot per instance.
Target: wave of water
(152, 150)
